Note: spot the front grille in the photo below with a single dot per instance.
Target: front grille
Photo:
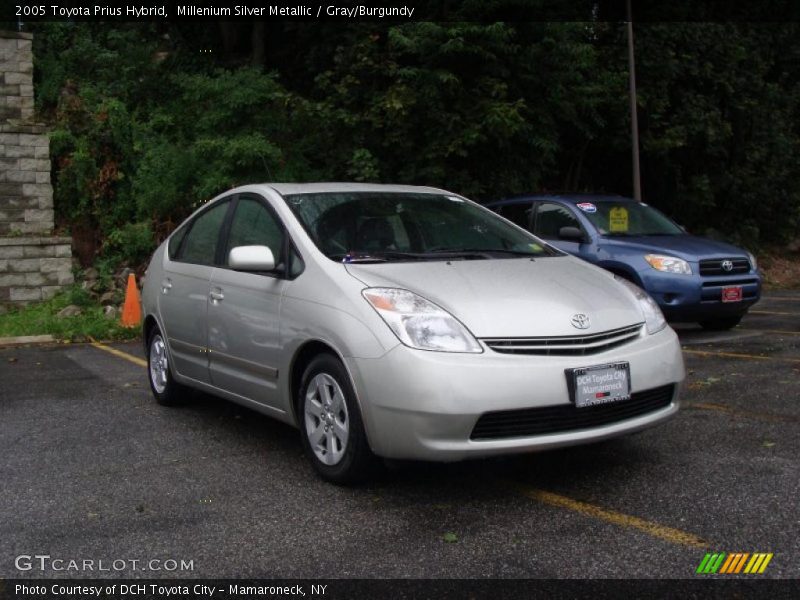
(728, 282)
(566, 417)
(565, 345)
(713, 266)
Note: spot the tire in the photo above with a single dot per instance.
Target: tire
(166, 390)
(331, 428)
(721, 324)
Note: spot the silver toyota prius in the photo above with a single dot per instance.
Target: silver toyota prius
(401, 322)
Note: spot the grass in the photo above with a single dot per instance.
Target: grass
(41, 318)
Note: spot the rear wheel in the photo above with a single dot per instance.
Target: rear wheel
(721, 324)
(166, 390)
(330, 423)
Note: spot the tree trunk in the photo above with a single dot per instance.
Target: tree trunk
(257, 40)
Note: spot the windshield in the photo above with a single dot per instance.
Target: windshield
(628, 218)
(384, 226)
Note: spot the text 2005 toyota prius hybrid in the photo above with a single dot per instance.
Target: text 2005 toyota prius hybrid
(401, 322)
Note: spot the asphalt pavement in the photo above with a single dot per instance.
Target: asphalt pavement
(93, 469)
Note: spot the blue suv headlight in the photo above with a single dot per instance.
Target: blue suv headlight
(753, 261)
(668, 264)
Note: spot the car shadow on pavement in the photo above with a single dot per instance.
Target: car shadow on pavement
(237, 424)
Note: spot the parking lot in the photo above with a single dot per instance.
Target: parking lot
(93, 469)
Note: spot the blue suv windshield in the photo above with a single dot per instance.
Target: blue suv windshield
(628, 218)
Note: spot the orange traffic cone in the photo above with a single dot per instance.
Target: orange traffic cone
(132, 309)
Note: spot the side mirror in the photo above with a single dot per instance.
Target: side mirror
(572, 234)
(251, 258)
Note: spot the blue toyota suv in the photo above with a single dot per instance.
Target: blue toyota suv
(693, 279)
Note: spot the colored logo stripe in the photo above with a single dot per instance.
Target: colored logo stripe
(734, 563)
(711, 563)
(724, 563)
(758, 563)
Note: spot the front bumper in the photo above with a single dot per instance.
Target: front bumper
(695, 298)
(424, 405)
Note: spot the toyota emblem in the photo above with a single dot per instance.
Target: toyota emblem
(580, 321)
(727, 265)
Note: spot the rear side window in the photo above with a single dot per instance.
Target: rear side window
(254, 225)
(200, 246)
(519, 213)
(550, 218)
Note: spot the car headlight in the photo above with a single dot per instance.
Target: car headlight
(653, 317)
(668, 264)
(753, 261)
(419, 323)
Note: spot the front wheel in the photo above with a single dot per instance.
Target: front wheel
(331, 428)
(721, 324)
(166, 390)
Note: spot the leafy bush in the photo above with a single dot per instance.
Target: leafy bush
(147, 127)
(131, 243)
(218, 130)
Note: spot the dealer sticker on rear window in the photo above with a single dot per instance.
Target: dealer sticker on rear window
(587, 207)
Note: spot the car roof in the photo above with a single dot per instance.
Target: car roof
(314, 188)
(571, 197)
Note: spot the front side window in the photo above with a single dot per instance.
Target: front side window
(200, 245)
(408, 226)
(254, 225)
(551, 217)
(518, 213)
(175, 240)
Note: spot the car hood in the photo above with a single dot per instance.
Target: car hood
(513, 297)
(687, 247)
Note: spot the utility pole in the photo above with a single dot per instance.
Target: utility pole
(637, 183)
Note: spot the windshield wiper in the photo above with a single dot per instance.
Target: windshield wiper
(382, 256)
(480, 252)
(638, 234)
(437, 254)
(357, 259)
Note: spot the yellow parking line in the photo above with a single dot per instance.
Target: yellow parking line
(119, 353)
(726, 354)
(775, 331)
(746, 414)
(743, 356)
(669, 534)
(772, 312)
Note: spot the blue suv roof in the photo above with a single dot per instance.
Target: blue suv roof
(573, 197)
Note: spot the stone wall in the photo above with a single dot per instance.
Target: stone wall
(26, 196)
(33, 268)
(16, 76)
(33, 264)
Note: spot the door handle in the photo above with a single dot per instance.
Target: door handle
(216, 295)
(166, 286)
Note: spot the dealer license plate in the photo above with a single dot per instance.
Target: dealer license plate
(601, 384)
(732, 293)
